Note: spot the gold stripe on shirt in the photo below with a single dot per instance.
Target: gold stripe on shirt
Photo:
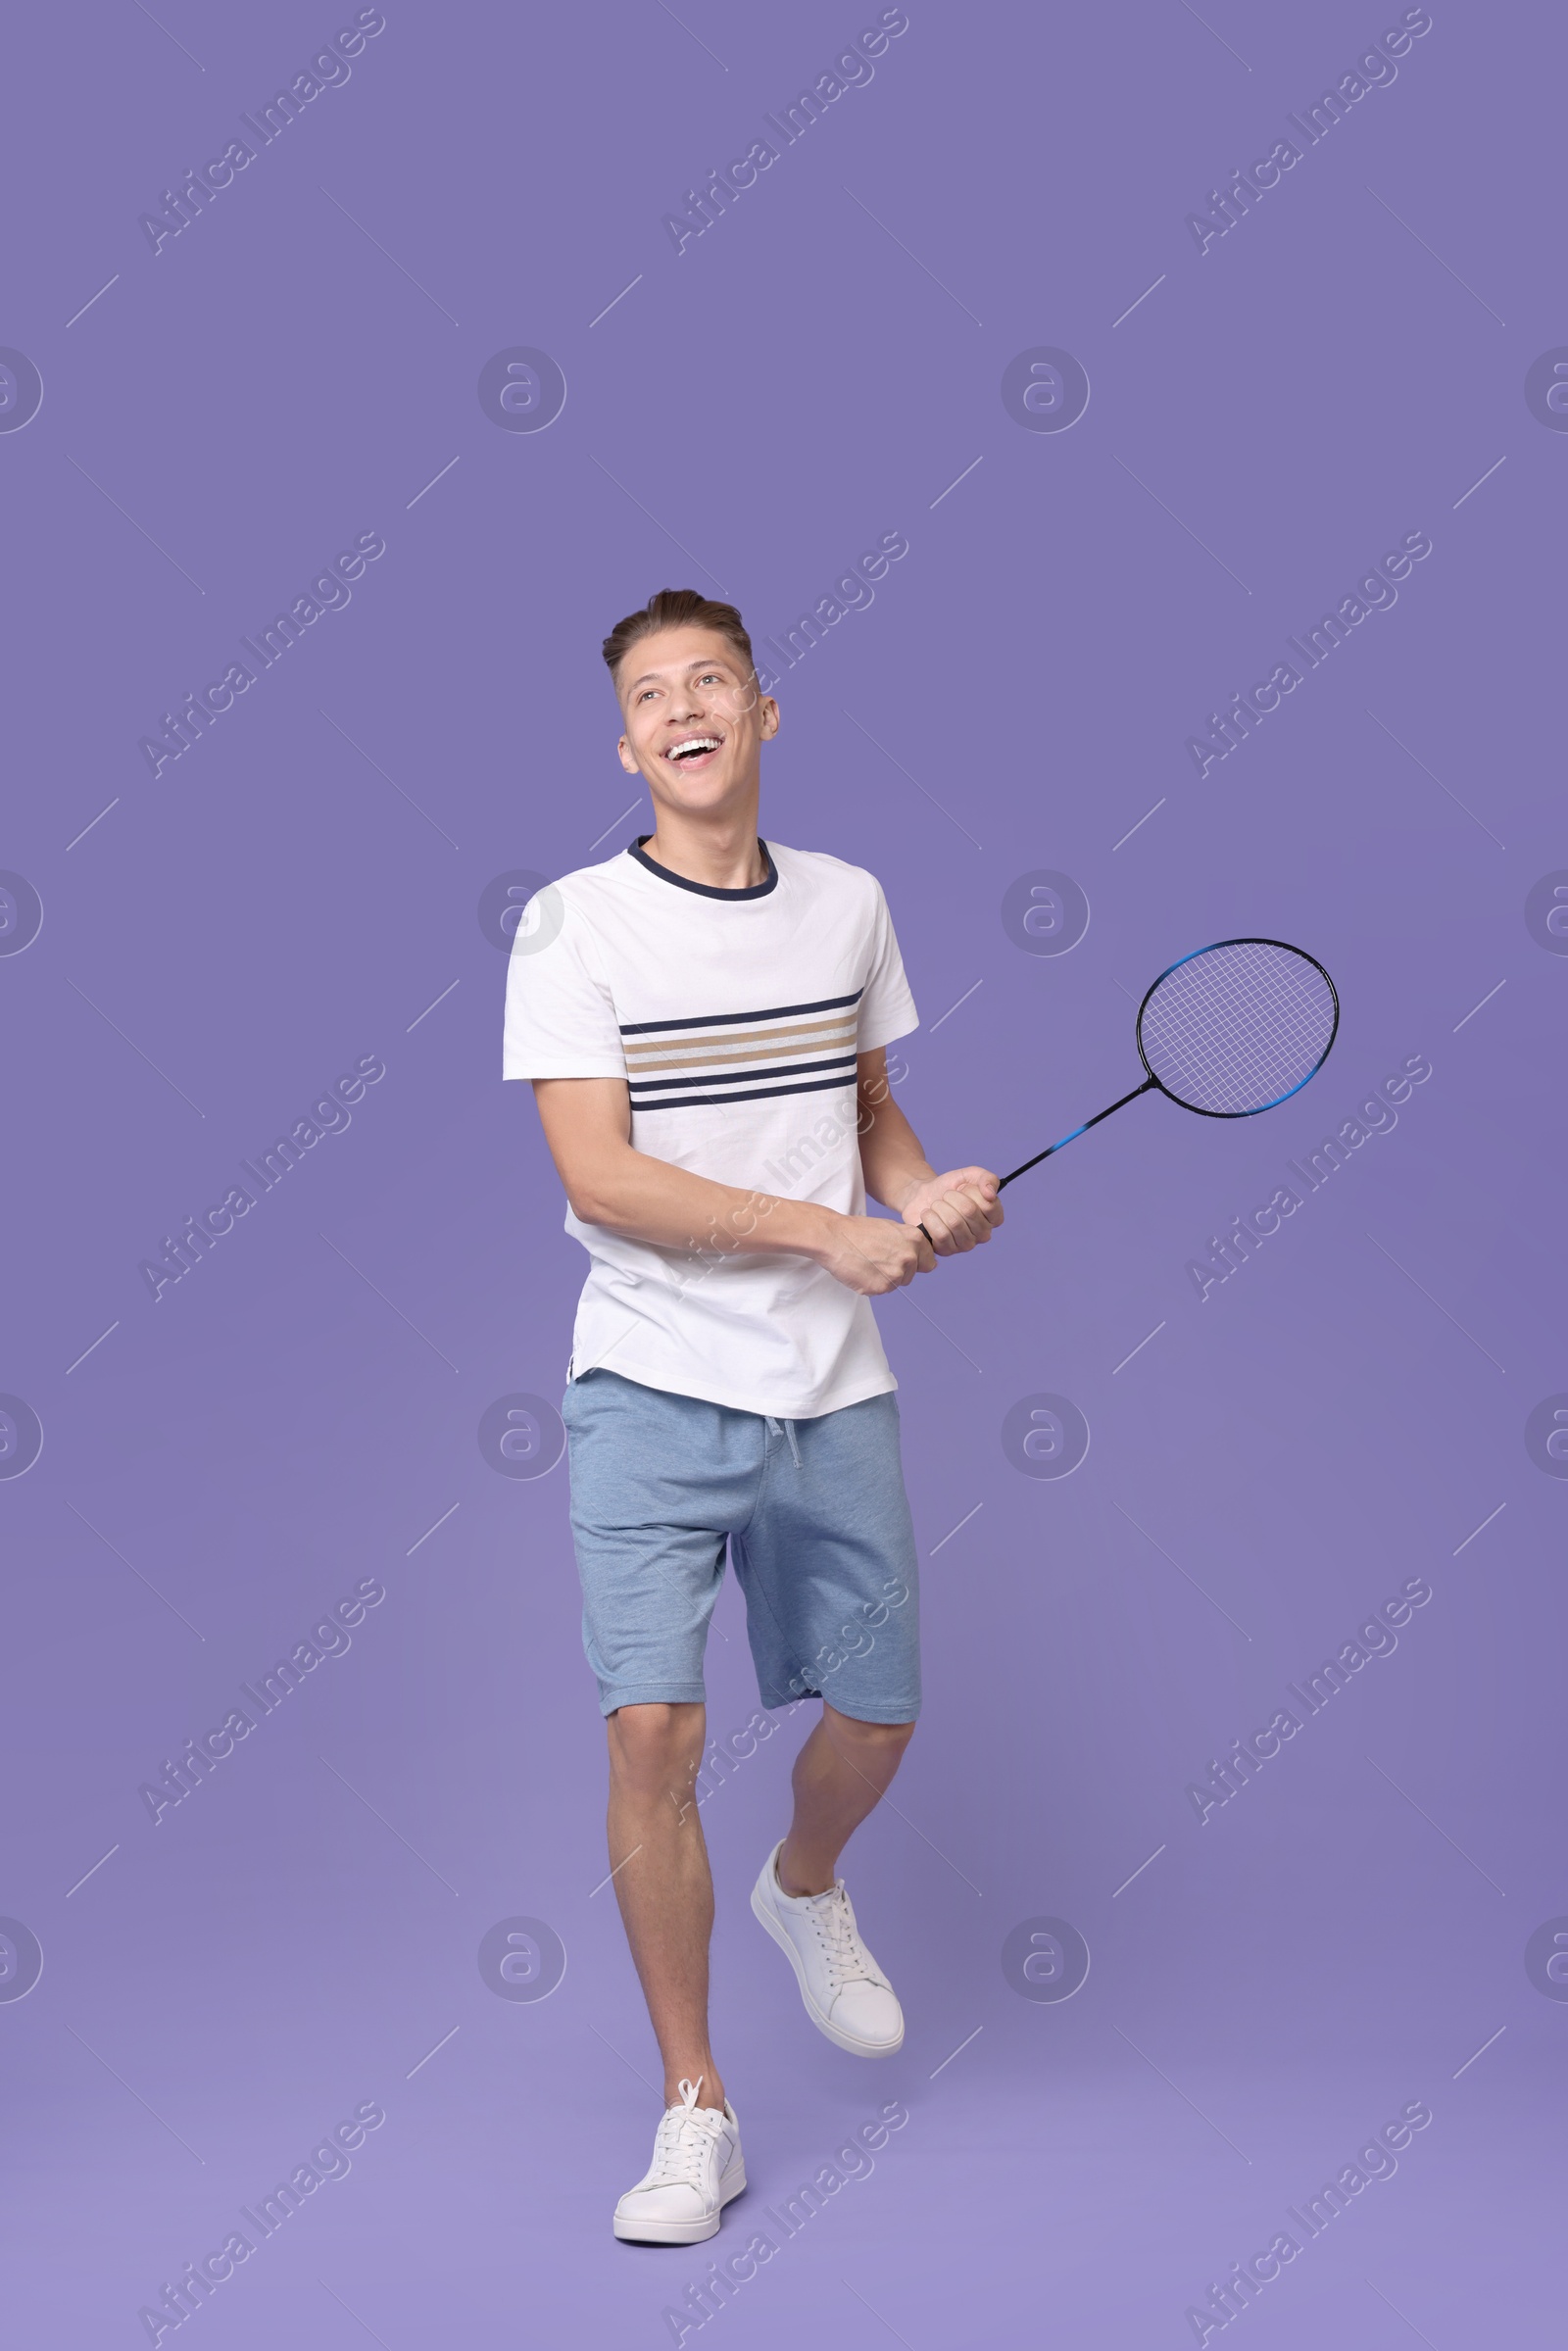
(821, 1037)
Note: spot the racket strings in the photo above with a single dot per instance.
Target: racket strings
(1238, 1027)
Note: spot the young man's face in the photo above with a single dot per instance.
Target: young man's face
(693, 718)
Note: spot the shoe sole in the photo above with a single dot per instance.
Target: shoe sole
(824, 2025)
(681, 2232)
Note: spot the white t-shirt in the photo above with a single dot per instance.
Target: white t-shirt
(735, 1016)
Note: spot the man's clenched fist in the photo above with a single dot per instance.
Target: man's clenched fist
(957, 1209)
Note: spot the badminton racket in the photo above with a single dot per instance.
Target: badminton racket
(1229, 1031)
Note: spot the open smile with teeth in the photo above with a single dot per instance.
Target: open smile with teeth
(694, 751)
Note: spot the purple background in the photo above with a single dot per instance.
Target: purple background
(297, 890)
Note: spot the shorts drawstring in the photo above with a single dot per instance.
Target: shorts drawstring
(786, 1428)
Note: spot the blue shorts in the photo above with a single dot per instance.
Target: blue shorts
(817, 1524)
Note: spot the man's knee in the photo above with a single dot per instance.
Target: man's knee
(885, 1739)
(654, 1747)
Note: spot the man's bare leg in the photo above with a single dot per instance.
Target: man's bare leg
(840, 1774)
(662, 1882)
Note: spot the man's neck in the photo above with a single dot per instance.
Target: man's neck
(722, 856)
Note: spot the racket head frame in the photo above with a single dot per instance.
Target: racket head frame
(1287, 948)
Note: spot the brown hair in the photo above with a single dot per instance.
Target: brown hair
(677, 607)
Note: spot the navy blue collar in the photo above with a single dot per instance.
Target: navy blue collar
(705, 888)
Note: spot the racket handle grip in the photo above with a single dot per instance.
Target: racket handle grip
(928, 1237)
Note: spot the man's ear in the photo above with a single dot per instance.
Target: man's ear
(770, 717)
(626, 758)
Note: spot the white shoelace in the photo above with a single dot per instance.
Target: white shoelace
(847, 1959)
(685, 2136)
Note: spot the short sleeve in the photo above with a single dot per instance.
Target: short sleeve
(560, 1014)
(887, 1009)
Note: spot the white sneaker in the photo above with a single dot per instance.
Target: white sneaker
(845, 1993)
(696, 2168)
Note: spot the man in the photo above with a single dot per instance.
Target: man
(705, 1020)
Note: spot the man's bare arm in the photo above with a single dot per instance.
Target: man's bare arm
(958, 1209)
(587, 1124)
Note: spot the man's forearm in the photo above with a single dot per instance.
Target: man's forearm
(587, 1123)
(891, 1158)
(650, 1199)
